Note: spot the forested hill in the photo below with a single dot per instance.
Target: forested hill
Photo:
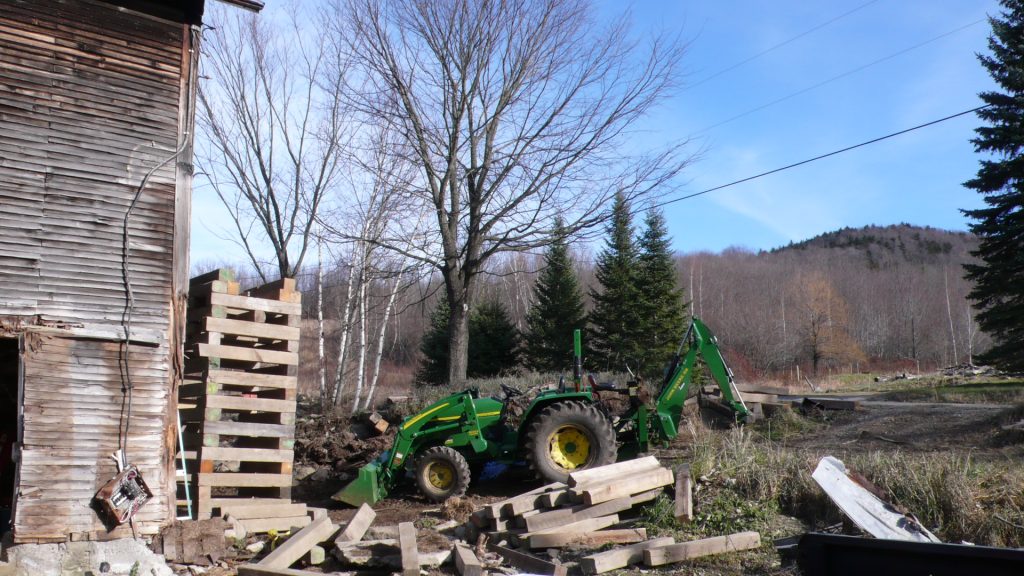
(894, 245)
(876, 296)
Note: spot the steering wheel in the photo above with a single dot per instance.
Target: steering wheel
(510, 391)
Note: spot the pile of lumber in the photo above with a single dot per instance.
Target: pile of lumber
(237, 402)
(589, 512)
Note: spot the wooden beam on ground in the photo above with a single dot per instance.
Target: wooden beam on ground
(529, 562)
(580, 527)
(357, 526)
(563, 516)
(588, 540)
(257, 570)
(684, 494)
(495, 510)
(620, 557)
(699, 548)
(466, 562)
(610, 490)
(295, 547)
(828, 403)
(619, 469)
(410, 553)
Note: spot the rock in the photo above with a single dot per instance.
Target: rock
(321, 475)
(303, 472)
(256, 547)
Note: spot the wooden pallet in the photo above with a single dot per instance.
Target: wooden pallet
(237, 402)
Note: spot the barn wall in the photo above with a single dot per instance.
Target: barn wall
(92, 97)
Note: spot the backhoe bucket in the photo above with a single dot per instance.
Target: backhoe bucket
(365, 489)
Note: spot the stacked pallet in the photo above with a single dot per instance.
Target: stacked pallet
(237, 402)
(587, 512)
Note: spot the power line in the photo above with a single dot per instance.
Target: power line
(781, 44)
(839, 76)
(816, 158)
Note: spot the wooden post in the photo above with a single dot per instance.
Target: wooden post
(466, 562)
(589, 540)
(357, 526)
(684, 494)
(410, 554)
(529, 562)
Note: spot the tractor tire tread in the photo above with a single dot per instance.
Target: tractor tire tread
(458, 461)
(552, 416)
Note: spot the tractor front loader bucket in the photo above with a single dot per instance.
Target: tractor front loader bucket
(365, 489)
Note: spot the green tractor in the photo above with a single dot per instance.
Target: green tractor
(556, 432)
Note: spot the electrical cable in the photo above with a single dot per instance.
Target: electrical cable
(838, 77)
(781, 44)
(820, 157)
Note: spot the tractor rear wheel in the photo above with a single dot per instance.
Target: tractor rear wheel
(569, 436)
(441, 473)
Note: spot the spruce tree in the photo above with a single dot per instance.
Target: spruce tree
(661, 307)
(557, 310)
(433, 368)
(998, 292)
(614, 341)
(493, 341)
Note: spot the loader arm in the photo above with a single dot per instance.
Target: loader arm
(698, 341)
(452, 421)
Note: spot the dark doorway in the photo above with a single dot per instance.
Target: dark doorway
(9, 364)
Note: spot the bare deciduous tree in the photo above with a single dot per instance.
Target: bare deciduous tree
(513, 111)
(272, 129)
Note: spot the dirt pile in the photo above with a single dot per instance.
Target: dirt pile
(337, 439)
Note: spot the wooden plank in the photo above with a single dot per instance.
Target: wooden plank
(279, 524)
(556, 498)
(248, 354)
(588, 540)
(410, 554)
(620, 557)
(247, 454)
(300, 543)
(466, 562)
(249, 404)
(234, 378)
(579, 527)
(529, 562)
(684, 494)
(282, 510)
(496, 509)
(245, 480)
(255, 304)
(699, 548)
(565, 516)
(649, 480)
(619, 469)
(357, 526)
(254, 329)
(249, 429)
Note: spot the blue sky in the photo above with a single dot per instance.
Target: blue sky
(914, 178)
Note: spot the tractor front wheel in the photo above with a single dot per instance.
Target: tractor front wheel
(441, 473)
(569, 436)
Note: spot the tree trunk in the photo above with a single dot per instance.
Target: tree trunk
(321, 372)
(361, 371)
(346, 327)
(459, 302)
(380, 343)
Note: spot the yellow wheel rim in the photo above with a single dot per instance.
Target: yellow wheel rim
(441, 475)
(569, 447)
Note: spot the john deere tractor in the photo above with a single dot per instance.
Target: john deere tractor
(556, 431)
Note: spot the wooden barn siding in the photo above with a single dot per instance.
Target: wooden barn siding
(91, 98)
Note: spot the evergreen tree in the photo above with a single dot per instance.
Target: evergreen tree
(998, 292)
(661, 307)
(557, 310)
(493, 341)
(615, 318)
(434, 347)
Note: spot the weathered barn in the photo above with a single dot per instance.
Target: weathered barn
(96, 123)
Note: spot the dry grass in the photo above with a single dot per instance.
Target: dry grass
(958, 497)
